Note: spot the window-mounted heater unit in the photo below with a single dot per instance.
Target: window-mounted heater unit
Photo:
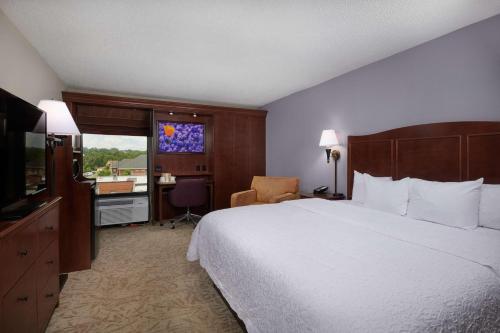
(121, 210)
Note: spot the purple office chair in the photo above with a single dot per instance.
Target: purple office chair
(186, 194)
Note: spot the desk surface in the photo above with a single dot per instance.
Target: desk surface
(165, 183)
(186, 174)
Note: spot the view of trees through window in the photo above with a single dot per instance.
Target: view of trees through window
(117, 162)
(96, 159)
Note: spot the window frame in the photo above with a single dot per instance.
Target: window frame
(79, 142)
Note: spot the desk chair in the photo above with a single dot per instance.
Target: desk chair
(188, 193)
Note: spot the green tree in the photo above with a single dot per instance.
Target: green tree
(104, 172)
(94, 158)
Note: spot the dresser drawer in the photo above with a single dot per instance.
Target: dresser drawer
(19, 313)
(48, 264)
(47, 299)
(48, 228)
(19, 251)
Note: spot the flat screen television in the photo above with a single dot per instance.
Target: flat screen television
(22, 150)
(180, 137)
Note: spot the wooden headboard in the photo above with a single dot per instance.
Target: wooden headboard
(455, 151)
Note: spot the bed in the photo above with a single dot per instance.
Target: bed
(319, 266)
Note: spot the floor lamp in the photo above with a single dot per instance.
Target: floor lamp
(328, 141)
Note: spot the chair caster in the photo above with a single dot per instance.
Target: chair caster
(173, 226)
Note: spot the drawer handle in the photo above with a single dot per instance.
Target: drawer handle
(49, 295)
(50, 262)
(23, 253)
(49, 227)
(23, 299)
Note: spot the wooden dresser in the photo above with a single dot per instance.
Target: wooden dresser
(29, 270)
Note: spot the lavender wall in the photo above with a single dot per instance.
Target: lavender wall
(453, 78)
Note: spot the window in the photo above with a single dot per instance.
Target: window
(119, 163)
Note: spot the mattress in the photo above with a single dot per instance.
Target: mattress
(314, 265)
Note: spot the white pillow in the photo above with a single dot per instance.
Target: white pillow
(455, 204)
(489, 207)
(358, 186)
(389, 196)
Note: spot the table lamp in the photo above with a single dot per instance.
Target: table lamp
(328, 141)
(59, 119)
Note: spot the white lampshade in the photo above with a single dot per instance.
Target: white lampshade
(59, 119)
(328, 138)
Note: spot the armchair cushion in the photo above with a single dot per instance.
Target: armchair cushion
(284, 197)
(269, 187)
(243, 198)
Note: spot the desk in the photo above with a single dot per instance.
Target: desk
(161, 187)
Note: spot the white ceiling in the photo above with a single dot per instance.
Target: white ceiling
(247, 52)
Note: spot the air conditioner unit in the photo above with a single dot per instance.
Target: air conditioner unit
(122, 210)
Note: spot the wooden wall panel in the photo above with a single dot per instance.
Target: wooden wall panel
(75, 212)
(373, 157)
(241, 153)
(238, 137)
(102, 119)
(433, 158)
(150, 104)
(257, 148)
(224, 170)
(184, 164)
(483, 156)
(442, 151)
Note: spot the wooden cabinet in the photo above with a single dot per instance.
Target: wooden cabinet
(47, 284)
(19, 305)
(235, 137)
(19, 252)
(29, 274)
(75, 225)
(48, 228)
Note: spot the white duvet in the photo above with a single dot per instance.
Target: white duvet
(320, 266)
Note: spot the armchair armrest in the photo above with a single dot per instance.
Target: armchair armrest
(243, 198)
(284, 197)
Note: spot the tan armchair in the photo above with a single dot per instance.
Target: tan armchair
(267, 190)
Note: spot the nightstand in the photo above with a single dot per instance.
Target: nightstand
(327, 196)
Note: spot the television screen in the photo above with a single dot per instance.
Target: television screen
(22, 147)
(180, 137)
(34, 165)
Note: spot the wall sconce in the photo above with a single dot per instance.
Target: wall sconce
(329, 140)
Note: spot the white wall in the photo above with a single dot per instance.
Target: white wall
(23, 72)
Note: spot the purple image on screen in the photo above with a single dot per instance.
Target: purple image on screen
(181, 137)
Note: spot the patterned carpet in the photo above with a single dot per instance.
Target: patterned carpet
(142, 282)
